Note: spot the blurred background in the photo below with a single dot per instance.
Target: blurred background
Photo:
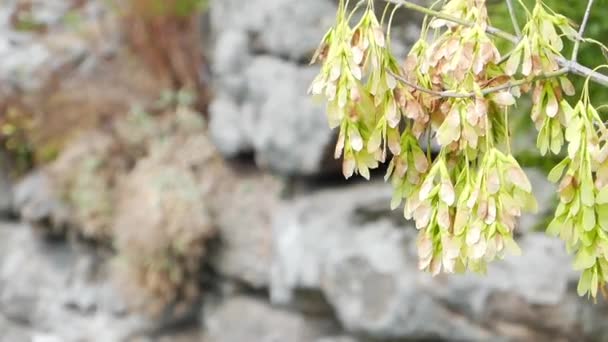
(165, 177)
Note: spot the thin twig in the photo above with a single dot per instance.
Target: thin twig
(491, 30)
(513, 18)
(583, 71)
(581, 32)
(484, 92)
(572, 66)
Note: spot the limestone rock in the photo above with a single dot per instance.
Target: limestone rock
(276, 119)
(244, 208)
(44, 284)
(37, 201)
(261, 104)
(242, 318)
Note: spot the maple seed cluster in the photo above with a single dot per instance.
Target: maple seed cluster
(537, 54)
(456, 89)
(581, 218)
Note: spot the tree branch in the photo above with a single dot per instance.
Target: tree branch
(583, 71)
(490, 30)
(486, 91)
(581, 32)
(572, 66)
(513, 18)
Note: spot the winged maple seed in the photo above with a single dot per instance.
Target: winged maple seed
(456, 89)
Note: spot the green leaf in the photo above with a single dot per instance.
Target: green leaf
(585, 258)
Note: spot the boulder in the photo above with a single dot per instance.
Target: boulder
(243, 210)
(27, 60)
(276, 120)
(261, 105)
(546, 196)
(45, 284)
(337, 339)
(241, 318)
(37, 201)
(287, 28)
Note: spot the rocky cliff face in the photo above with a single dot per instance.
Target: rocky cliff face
(278, 252)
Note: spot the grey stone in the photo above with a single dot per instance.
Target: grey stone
(337, 339)
(37, 202)
(261, 105)
(294, 28)
(243, 318)
(231, 52)
(28, 60)
(277, 120)
(226, 127)
(546, 196)
(43, 285)
(243, 211)
(12, 331)
(291, 132)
